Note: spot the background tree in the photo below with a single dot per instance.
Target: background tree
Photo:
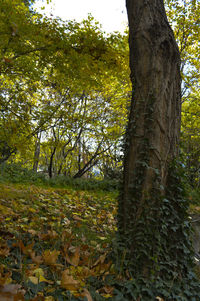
(184, 18)
(64, 81)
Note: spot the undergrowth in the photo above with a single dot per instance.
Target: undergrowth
(15, 173)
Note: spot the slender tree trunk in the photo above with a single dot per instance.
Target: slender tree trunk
(152, 137)
(50, 167)
(37, 152)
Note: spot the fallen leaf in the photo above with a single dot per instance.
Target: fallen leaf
(50, 257)
(87, 294)
(49, 298)
(33, 279)
(38, 272)
(75, 258)
(5, 279)
(26, 250)
(38, 279)
(77, 218)
(33, 232)
(68, 282)
(49, 235)
(4, 251)
(101, 259)
(11, 292)
(36, 259)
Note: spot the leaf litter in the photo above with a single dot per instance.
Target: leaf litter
(52, 241)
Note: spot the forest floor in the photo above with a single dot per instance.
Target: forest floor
(54, 242)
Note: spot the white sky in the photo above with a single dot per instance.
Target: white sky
(110, 13)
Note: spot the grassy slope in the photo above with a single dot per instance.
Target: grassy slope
(52, 241)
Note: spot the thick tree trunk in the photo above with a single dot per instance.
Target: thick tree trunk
(152, 136)
(156, 105)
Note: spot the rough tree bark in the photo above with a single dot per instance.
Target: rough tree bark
(152, 136)
(155, 75)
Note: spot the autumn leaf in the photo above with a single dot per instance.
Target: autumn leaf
(4, 251)
(73, 259)
(37, 279)
(36, 259)
(68, 282)
(87, 294)
(11, 292)
(101, 259)
(5, 279)
(77, 218)
(26, 250)
(50, 257)
(48, 235)
(49, 298)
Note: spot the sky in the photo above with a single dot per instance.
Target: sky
(110, 13)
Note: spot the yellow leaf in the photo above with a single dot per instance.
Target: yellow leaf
(33, 279)
(49, 298)
(107, 296)
(42, 279)
(38, 272)
(39, 279)
(32, 210)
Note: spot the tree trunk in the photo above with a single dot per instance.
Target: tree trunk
(37, 152)
(152, 136)
(50, 167)
(156, 104)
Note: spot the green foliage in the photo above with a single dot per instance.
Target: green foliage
(193, 195)
(184, 19)
(190, 139)
(15, 173)
(65, 81)
(84, 184)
